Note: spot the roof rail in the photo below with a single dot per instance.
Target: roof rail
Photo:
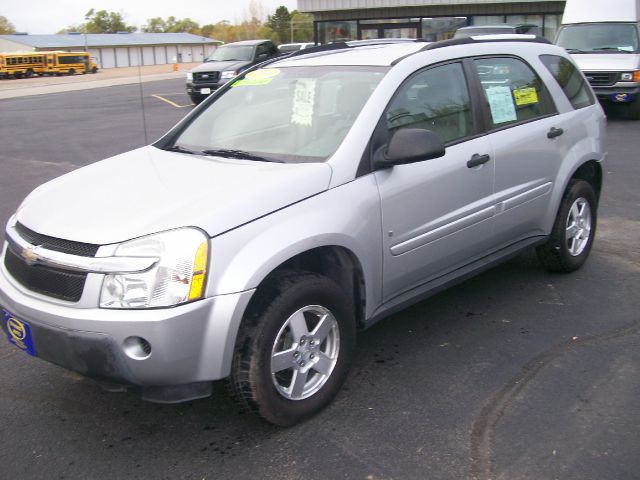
(319, 49)
(486, 39)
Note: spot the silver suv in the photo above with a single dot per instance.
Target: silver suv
(304, 200)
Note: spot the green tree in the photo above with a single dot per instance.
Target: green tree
(302, 26)
(155, 25)
(280, 23)
(105, 22)
(6, 27)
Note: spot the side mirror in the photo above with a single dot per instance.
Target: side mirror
(262, 57)
(410, 145)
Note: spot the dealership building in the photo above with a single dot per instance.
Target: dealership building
(118, 49)
(339, 20)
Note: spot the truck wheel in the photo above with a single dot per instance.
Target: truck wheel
(573, 231)
(634, 109)
(294, 348)
(94, 70)
(29, 73)
(71, 72)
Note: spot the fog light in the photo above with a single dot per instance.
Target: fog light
(137, 348)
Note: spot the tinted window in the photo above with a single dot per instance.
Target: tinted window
(436, 99)
(513, 91)
(570, 79)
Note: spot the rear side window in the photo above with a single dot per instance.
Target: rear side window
(570, 79)
(513, 91)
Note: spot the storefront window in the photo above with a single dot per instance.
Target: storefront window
(337, 31)
(551, 25)
(435, 29)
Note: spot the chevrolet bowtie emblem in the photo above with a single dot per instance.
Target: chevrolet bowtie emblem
(29, 255)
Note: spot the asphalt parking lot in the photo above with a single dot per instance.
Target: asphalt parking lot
(515, 374)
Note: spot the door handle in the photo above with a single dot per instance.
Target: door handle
(555, 132)
(478, 160)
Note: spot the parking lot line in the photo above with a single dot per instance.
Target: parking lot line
(173, 104)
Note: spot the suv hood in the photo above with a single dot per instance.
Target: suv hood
(607, 62)
(150, 190)
(220, 66)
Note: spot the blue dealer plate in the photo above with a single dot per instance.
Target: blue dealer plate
(622, 98)
(18, 332)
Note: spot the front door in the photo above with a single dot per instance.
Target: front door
(437, 214)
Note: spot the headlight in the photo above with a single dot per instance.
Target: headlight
(189, 76)
(178, 277)
(630, 76)
(228, 75)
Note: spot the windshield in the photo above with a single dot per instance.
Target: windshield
(599, 37)
(229, 52)
(292, 114)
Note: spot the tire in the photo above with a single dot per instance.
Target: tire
(71, 72)
(94, 70)
(299, 322)
(577, 216)
(29, 74)
(634, 109)
(196, 99)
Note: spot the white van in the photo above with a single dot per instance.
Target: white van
(603, 36)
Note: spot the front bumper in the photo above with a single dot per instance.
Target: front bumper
(617, 94)
(195, 89)
(189, 343)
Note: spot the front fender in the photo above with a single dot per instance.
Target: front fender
(347, 216)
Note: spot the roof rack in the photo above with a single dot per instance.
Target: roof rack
(328, 47)
(486, 39)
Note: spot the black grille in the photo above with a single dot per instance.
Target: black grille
(601, 79)
(46, 280)
(57, 244)
(206, 77)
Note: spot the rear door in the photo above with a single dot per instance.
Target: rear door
(528, 140)
(436, 214)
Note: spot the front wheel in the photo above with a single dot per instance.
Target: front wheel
(71, 72)
(294, 348)
(573, 231)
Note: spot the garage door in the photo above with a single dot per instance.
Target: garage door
(172, 54)
(185, 54)
(108, 57)
(122, 57)
(147, 56)
(135, 56)
(161, 56)
(198, 53)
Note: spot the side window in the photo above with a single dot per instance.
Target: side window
(513, 91)
(570, 79)
(436, 99)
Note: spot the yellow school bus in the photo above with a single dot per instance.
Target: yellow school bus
(68, 63)
(28, 64)
(20, 65)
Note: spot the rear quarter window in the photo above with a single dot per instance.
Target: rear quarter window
(570, 79)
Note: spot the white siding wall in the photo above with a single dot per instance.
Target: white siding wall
(328, 5)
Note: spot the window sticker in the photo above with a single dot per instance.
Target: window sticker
(501, 104)
(525, 96)
(263, 76)
(303, 101)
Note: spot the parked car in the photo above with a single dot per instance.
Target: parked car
(293, 47)
(605, 43)
(499, 29)
(307, 199)
(225, 63)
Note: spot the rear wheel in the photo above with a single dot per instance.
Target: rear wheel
(71, 72)
(573, 231)
(29, 73)
(94, 70)
(294, 348)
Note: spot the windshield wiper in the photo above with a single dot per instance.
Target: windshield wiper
(239, 154)
(576, 50)
(608, 49)
(178, 148)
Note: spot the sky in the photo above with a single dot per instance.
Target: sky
(50, 16)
